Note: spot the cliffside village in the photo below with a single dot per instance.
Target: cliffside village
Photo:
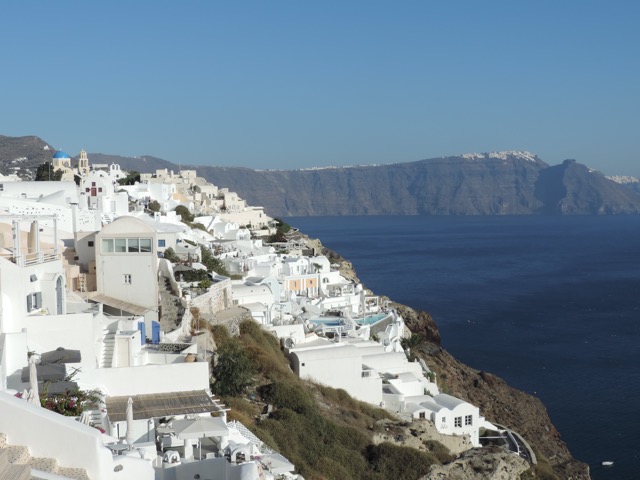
(95, 296)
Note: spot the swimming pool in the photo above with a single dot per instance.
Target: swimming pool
(371, 319)
(328, 322)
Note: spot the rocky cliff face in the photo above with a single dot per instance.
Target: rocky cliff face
(572, 188)
(509, 183)
(499, 183)
(496, 183)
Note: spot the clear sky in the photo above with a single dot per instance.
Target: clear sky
(286, 84)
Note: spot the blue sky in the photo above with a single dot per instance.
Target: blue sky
(284, 84)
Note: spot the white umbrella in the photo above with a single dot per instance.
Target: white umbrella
(34, 394)
(129, 413)
(200, 427)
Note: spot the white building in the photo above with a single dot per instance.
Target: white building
(127, 267)
(338, 366)
(450, 415)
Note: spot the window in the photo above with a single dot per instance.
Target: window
(133, 245)
(121, 245)
(126, 245)
(107, 245)
(99, 189)
(457, 422)
(145, 245)
(468, 420)
(91, 243)
(34, 301)
(33, 277)
(127, 279)
(423, 415)
(162, 243)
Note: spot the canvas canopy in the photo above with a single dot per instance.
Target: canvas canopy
(199, 427)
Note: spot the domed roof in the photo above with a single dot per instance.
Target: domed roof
(61, 154)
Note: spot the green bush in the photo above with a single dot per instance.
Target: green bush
(184, 213)
(170, 255)
(130, 179)
(194, 275)
(212, 263)
(45, 172)
(197, 226)
(288, 395)
(234, 370)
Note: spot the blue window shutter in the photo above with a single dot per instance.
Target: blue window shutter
(143, 332)
(155, 332)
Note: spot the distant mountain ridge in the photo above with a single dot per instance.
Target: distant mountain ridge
(494, 183)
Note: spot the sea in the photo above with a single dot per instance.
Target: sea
(549, 303)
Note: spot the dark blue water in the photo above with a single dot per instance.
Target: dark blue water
(551, 304)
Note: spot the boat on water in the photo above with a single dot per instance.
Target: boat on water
(607, 463)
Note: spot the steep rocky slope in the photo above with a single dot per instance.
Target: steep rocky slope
(498, 402)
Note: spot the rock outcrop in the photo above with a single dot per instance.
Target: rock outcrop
(490, 463)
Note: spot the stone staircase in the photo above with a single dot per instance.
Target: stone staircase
(16, 463)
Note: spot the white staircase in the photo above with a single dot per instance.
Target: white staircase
(108, 347)
(92, 418)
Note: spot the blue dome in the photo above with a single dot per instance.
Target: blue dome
(61, 154)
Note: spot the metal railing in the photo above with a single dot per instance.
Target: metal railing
(27, 259)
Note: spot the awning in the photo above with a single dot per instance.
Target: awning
(156, 405)
(200, 427)
(128, 307)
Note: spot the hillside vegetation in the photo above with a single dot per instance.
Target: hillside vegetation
(323, 431)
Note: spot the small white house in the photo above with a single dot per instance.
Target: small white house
(338, 366)
(450, 415)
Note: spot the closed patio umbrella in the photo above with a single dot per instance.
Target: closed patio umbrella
(34, 393)
(129, 413)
